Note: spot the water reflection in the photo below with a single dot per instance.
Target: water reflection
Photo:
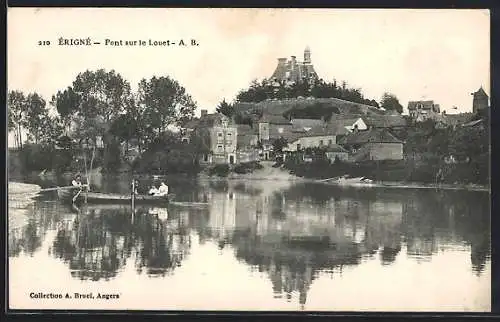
(290, 233)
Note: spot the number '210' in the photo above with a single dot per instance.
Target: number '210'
(43, 43)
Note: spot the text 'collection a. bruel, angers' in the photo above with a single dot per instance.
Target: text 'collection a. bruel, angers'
(121, 42)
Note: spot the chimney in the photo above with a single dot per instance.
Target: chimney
(294, 60)
(204, 113)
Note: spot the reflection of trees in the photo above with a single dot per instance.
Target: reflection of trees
(358, 223)
(99, 242)
(41, 216)
(158, 249)
(432, 218)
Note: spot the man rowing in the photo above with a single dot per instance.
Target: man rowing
(77, 182)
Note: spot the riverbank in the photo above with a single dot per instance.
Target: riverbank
(409, 185)
(268, 173)
(20, 197)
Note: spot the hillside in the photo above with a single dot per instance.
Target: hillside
(280, 107)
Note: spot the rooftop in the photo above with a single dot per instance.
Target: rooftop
(371, 136)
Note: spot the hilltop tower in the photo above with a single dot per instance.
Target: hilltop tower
(480, 100)
(291, 71)
(307, 55)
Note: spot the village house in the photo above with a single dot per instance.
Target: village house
(218, 135)
(374, 144)
(423, 110)
(453, 120)
(304, 125)
(247, 144)
(336, 152)
(322, 136)
(272, 127)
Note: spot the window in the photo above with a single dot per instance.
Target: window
(219, 134)
(219, 147)
(229, 134)
(298, 147)
(321, 142)
(330, 142)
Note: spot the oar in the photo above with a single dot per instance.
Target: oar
(48, 189)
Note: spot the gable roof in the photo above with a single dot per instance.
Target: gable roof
(384, 121)
(371, 136)
(274, 119)
(208, 120)
(305, 123)
(456, 119)
(480, 92)
(426, 105)
(335, 148)
(245, 129)
(191, 124)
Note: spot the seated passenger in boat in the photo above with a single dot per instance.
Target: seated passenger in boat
(162, 190)
(153, 190)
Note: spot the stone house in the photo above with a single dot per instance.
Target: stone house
(423, 110)
(323, 135)
(375, 144)
(218, 136)
(247, 144)
(299, 125)
(335, 151)
(271, 127)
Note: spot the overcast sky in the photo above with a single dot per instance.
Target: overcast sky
(442, 55)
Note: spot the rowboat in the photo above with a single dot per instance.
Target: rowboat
(115, 198)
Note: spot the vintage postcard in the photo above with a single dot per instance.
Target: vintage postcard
(249, 159)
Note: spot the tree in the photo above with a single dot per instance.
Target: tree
(37, 117)
(17, 115)
(225, 108)
(102, 96)
(165, 103)
(279, 144)
(391, 103)
(66, 104)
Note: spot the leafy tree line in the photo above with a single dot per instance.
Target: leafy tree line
(266, 89)
(101, 104)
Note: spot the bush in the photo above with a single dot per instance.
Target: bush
(221, 170)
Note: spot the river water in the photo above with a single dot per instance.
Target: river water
(257, 245)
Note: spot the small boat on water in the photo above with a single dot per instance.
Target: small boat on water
(99, 197)
(347, 180)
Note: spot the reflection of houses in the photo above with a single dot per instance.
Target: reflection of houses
(383, 228)
(222, 214)
(375, 144)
